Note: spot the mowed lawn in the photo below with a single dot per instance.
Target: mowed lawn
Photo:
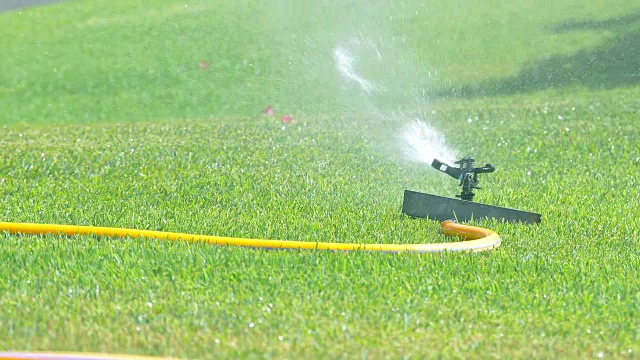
(149, 115)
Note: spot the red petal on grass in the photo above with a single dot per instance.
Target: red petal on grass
(287, 119)
(269, 111)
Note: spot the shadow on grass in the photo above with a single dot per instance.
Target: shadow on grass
(8, 5)
(613, 64)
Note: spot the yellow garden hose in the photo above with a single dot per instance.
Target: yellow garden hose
(476, 238)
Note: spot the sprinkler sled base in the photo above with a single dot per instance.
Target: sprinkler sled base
(441, 208)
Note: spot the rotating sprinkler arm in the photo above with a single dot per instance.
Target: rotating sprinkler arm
(466, 173)
(447, 169)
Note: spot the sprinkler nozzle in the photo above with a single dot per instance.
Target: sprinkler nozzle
(466, 173)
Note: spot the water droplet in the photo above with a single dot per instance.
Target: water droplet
(251, 325)
(280, 337)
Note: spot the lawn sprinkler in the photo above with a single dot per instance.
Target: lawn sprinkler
(440, 208)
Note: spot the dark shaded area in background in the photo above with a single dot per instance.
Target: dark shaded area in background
(6, 5)
(615, 63)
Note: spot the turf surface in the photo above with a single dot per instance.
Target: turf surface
(149, 115)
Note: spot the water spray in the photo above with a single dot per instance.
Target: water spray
(422, 143)
(345, 63)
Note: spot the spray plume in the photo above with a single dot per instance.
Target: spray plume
(418, 141)
(344, 63)
(376, 77)
(422, 143)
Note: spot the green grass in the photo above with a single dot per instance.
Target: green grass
(108, 120)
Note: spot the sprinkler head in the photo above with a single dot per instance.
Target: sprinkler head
(466, 173)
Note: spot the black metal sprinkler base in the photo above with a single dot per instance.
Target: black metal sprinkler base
(442, 208)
